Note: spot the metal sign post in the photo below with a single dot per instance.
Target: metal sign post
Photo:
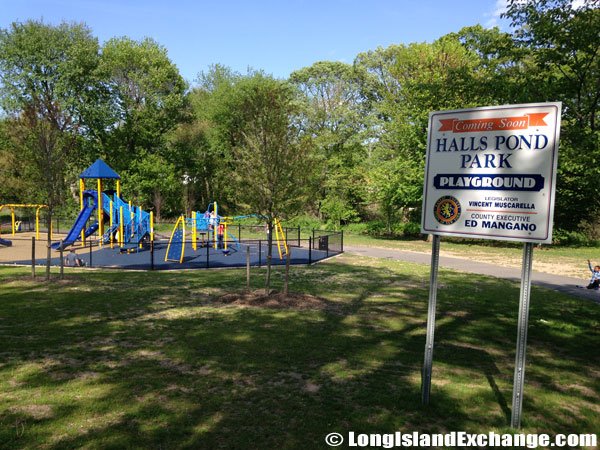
(519, 380)
(433, 279)
(490, 173)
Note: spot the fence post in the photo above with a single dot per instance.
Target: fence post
(207, 253)
(62, 261)
(342, 246)
(259, 253)
(248, 269)
(310, 241)
(151, 255)
(91, 263)
(239, 232)
(287, 272)
(32, 256)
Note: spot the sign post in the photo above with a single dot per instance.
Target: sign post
(433, 281)
(491, 174)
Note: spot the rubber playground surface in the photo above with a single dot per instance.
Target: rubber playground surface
(202, 258)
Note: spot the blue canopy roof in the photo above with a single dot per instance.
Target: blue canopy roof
(99, 170)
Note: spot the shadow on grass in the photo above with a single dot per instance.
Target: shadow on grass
(145, 360)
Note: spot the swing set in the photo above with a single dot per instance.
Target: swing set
(16, 225)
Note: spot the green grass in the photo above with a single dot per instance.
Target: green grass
(568, 261)
(148, 360)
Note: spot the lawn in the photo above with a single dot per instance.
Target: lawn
(111, 359)
(559, 260)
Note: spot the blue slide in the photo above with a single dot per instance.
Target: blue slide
(79, 225)
(5, 242)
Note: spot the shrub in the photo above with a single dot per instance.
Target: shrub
(573, 238)
(376, 227)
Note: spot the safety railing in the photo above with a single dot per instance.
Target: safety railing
(151, 254)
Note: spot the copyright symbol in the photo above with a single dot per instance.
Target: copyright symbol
(334, 439)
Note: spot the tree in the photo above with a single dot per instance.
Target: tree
(336, 114)
(148, 101)
(17, 182)
(407, 82)
(270, 155)
(564, 41)
(48, 80)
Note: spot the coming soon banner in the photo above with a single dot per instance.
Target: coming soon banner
(491, 172)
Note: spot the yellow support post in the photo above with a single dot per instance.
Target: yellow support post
(216, 225)
(283, 237)
(100, 212)
(151, 226)
(81, 189)
(111, 223)
(194, 230)
(12, 210)
(118, 188)
(278, 232)
(131, 218)
(225, 235)
(37, 224)
(277, 239)
(140, 222)
(121, 227)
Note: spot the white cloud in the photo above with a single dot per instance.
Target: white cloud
(494, 16)
(501, 6)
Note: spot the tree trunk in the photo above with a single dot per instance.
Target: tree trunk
(157, 205)
(269, 256)
(49, 243)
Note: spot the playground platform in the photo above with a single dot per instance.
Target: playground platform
(153, 258)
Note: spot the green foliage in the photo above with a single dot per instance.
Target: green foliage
(270, 157)
(47, 86)
(343, 143)
(564, 42)
(573, 239)
(148, 101)
(335, 114)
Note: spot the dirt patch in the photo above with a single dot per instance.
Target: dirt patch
(37, 412)
(276, 300)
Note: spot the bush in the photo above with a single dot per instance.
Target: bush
(573, 238)
(356, 228)
(376, 227)
(304, 222)
(411, 229)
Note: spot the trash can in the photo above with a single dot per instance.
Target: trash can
(323, 243)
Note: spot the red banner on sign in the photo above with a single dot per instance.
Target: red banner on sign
(494, 124)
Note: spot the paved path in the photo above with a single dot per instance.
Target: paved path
(556, 282)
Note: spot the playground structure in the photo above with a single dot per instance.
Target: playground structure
(116, 223)
(212, 229)
(128, 226)
(16, 224)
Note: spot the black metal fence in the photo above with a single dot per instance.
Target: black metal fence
(152, 255)
(329, 241)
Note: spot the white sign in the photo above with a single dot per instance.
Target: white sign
(491, 172)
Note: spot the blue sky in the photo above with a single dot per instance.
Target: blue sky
(275, 36)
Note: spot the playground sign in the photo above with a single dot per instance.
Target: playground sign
(491, 172)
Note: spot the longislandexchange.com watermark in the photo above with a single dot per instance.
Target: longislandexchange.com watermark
(460, 439)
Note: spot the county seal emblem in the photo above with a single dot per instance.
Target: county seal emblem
(447, 210)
